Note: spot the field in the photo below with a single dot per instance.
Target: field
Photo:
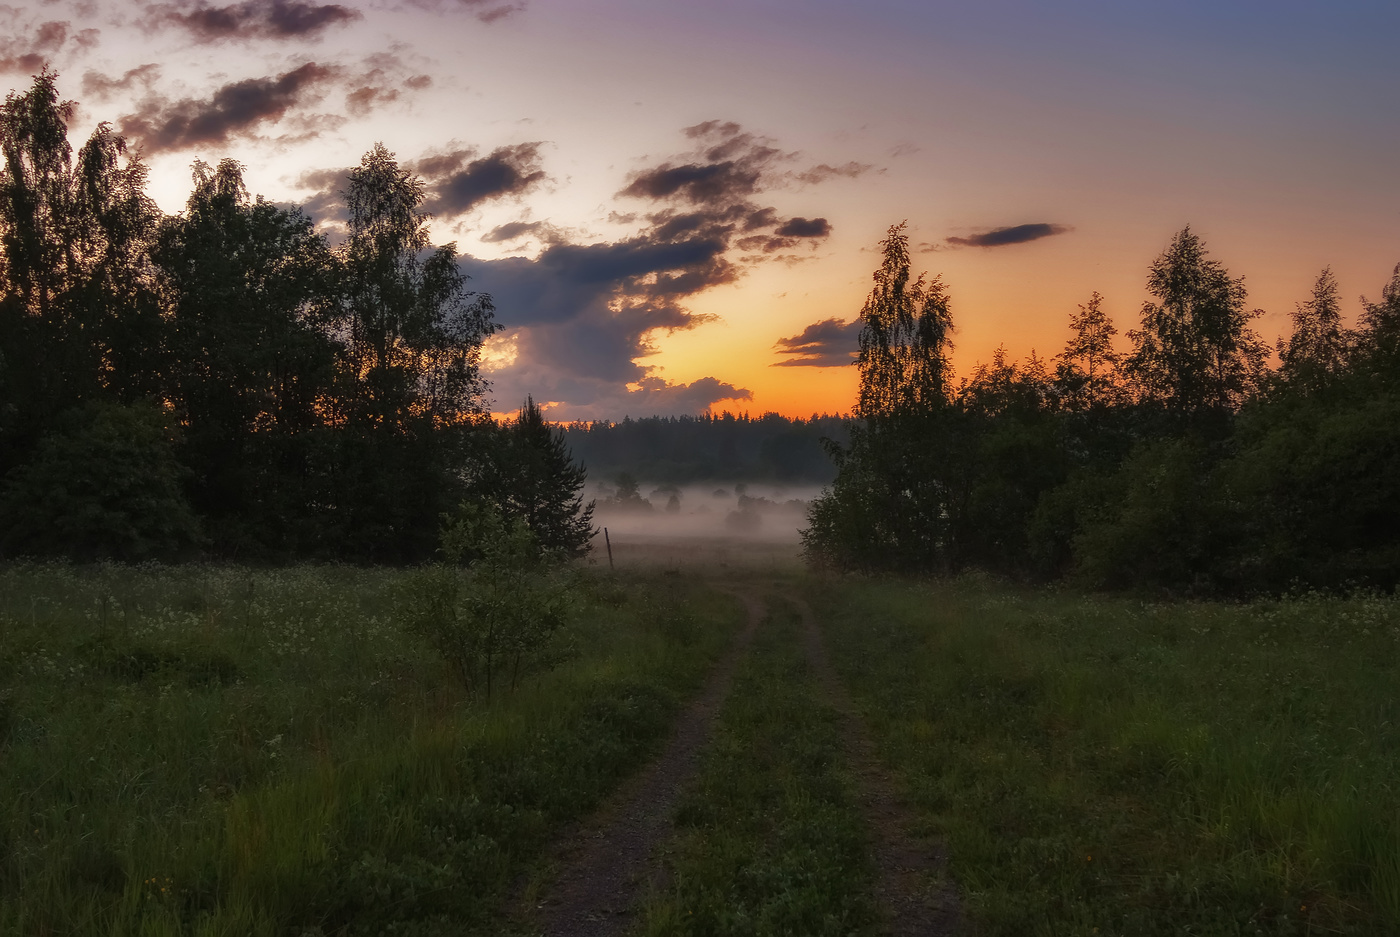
(218, 750)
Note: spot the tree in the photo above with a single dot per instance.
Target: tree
(1319, 348)
(413, 329)
(104, 484)
(246, 286)
(1380, 334)
(411, 335)
(1195, 353)
(1087, 373)
(79, 318)
(891, 502)
(904, 338)
(528, 471)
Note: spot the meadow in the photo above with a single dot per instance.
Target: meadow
(218, 750)
(223, 750)
(1112, 766)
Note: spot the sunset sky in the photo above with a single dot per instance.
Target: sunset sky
(667, 198)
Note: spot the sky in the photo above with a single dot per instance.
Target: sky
(677, 206)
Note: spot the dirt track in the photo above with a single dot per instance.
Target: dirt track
(608, 863)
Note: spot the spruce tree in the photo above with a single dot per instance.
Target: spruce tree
(525, 469)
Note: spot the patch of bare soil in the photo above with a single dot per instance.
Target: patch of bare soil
(913, 889)
(604, 866)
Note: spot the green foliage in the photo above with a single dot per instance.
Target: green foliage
(1105, 765)
(905, 338)
(1158, 527)
(499, 615)
(525, 468)
(105, 486)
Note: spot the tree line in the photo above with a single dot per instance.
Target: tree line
(711, 447)
(1189, 463)
(224, 381)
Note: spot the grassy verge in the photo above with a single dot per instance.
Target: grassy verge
(770, 840)
(224, 751)
(1103, 766)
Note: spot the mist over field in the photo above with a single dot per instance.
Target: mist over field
(752, 511)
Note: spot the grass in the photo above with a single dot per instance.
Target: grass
(770, 841)
(216, 750)
(1104, 766)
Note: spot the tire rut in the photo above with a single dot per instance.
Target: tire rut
(913, 888)
(607, 863)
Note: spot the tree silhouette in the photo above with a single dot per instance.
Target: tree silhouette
(413, 330)
(1087, 373)
(904, 338)
(1319, 347)
(1195, 352)
(526, 469)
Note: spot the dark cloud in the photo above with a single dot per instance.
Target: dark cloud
(804, 228)
(728, 166)
(30, 62)
(253, 19)
(1016, 234)
(519, 229)
(237, 109)
(697, 183)
(99, 86)
(457, 182)
(582, 317)
(829, 343)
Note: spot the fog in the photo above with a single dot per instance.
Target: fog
(757, 512)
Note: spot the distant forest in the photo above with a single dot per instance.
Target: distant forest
(1187, 464)
(723, 447)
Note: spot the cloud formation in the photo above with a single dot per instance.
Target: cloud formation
(237, 109)
(581, 319)
(253, 19)
(518, 229)
(830, 343)
(99, 86)
(457, 182)
(1016, 234)
(487, 11)
(30, 48)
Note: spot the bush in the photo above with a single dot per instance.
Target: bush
(105, 486)
(501, 613)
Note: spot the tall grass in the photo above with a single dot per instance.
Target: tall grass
(1108, 766)
(216, 750)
